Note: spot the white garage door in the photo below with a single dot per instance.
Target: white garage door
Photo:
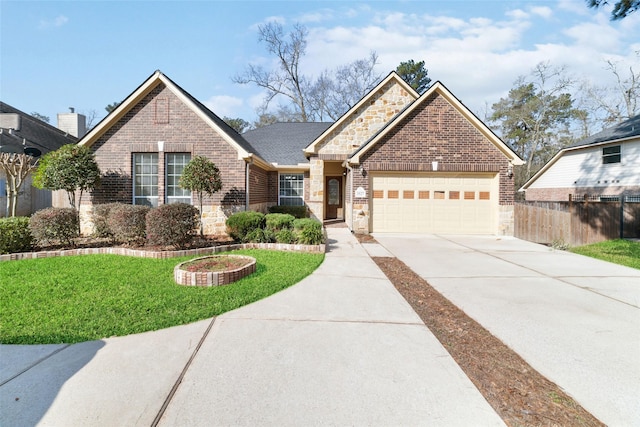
(435, 203)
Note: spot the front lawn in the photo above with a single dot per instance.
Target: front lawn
(81, 298)
(623, 252)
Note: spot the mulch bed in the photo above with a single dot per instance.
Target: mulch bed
(517, 392)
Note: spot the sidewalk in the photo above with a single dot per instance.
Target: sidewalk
(342, 347)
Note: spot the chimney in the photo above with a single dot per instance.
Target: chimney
(72, 123)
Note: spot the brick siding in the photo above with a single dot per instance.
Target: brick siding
(436, 131)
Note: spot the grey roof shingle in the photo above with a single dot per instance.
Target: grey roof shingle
(283, 143)
(625, 129)
(37, 134)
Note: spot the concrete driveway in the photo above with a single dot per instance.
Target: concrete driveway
(574, 319)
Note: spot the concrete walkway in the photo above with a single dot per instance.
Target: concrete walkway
(342, 347)
(574, 319)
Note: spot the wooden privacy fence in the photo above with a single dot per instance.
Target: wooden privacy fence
(589, 220)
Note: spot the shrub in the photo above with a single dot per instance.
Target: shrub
(296, 211)
(128, 223)
(172, 225)
(308, 231)
(301, 223)
(101, 219)
(241, 223)
(279, 221)
(15, 235)
(285, 236)
(259, 235)
(55, 225)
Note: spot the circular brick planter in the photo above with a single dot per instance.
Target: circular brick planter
(213, 278)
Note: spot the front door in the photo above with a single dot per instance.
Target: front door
(333, 199)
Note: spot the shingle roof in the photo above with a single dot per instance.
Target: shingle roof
(38, 134)
(283, 143)
(625, 129)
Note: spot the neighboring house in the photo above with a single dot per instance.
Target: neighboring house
(394, 162)
(23, 133)
(607, 163)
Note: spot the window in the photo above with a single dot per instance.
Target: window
(145, 179)
(611, 155)
(291, 189)
(175, 165)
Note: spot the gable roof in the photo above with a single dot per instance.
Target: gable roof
(243, 148)
(624, 131)
(441, 90)
(24, 130)
(313, 147)
(283, 143)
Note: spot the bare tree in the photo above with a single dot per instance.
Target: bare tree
(613, 103)
(16, 167)
(286, 79)
(327, 96)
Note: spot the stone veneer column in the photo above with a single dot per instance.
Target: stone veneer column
(315, 200)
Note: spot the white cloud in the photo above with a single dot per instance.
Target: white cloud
(56, 22)
(542, 11)
(225, 105)
(517, 14)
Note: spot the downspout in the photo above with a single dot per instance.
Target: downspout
(247, 168)
(346, 164)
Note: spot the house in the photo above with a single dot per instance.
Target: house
(396, 161)
(23, 133)
(607, 163)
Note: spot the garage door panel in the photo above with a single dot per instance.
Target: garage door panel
(442, 203)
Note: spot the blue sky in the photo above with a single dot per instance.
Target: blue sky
(87, 54)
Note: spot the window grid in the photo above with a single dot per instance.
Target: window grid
(291, 189)
(174, 168)
(145, 178)
(611, 155)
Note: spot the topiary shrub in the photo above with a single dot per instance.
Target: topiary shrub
(241, 223)
(286, 236)
(278, 221)
(296, 211)
(15, 235)
(100, 218)
(308, 231)
(173, 225)
(55, 225)
(128, 223)
(259, 235)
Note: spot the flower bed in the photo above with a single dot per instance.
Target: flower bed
(215, 270)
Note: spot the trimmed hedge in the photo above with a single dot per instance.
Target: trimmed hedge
(128, 222)
(173, 225)
(15, 235)
(296, 211)
(282, 228)
(241, 223)
(100, 218)
(53, 225)
(279, 221)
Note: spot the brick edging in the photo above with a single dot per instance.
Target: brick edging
(163, 254)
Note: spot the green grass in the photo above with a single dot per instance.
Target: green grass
(81, 298)
(623, 252)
